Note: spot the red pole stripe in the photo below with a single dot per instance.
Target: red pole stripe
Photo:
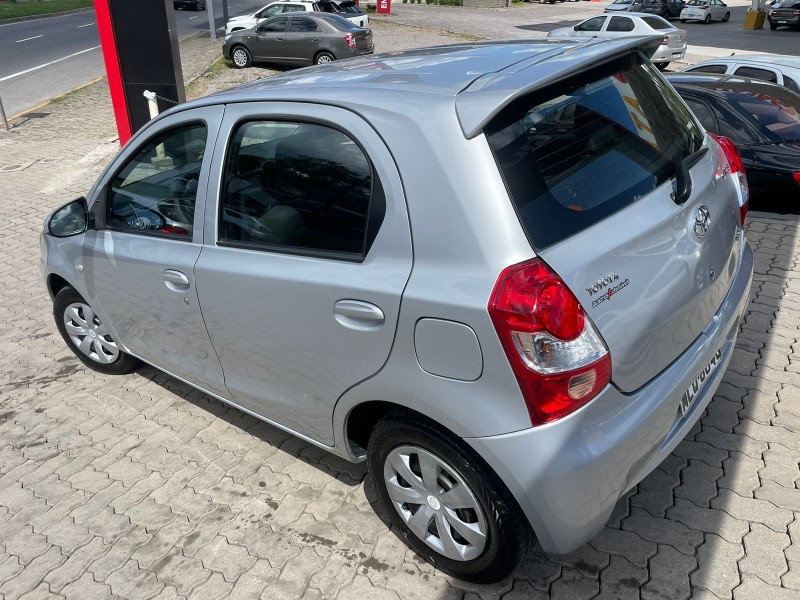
(113, 71)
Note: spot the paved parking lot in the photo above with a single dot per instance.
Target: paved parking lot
(140, 487)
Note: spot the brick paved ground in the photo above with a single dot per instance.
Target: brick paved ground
(139, 487)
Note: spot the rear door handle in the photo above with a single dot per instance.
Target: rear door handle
(314, 39)
(356, 314)
(176, 281)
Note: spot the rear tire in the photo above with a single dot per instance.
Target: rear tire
(241, 57)
(481, 507)
(726, 18)
(323, 58)
(88, 338)
(773, 27)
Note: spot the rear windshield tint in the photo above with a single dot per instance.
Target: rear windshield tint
(341, 23)
(576, 152)
(658, 23)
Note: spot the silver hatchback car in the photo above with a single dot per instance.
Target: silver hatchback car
(507, 275)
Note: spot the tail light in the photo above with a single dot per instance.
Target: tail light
(351, 40)
(665, 42)
(557, 355)
(728, 153)
(704, 7)
(797, 177)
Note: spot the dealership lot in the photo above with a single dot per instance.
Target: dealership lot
(140, 487)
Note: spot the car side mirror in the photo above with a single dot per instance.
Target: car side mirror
(576, 28)
(70, 219)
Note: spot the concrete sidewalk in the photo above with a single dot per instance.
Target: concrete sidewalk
(141, 487)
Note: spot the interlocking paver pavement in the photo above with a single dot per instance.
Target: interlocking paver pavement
(141, 487)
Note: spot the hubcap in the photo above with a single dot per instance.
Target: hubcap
(89, 335)
(435, 502)
(240, 58)
(324, 59)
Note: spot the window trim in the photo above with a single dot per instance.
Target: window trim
(101, 216)
(376, 212)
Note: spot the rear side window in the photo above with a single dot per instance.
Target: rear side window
(301, 188)
(576, 152)
(776, 112)
(620, 24)
(703, 113)
(754, 73)
(303, 25)
(721, 69)
(791, 84)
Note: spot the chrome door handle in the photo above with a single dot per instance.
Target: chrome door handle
(279, 39)
(314, 39)
(176, 281)
(357, 314)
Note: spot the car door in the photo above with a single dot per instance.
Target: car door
(591, 27)
(308, 252)
(302, 39)
(269, 43)
(139, 257)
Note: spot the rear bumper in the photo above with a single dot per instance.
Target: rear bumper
(567, 476)
(788, 21)
(666, 54)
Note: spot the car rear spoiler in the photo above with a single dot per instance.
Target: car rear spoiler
(481, 100)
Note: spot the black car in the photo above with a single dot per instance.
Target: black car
(763, 120)
(669, 9)
(785, 14)
(193, 4)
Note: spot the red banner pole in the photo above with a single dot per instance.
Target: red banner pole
(113, 72)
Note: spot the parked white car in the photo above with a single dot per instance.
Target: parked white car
(286, 6)
(777, 68)
(673, 46)
(705, 11)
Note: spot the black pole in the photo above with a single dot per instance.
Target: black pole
(225, 12)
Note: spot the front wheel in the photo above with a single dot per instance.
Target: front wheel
(707, 20)
(726, 18)
(683, 20)
(450, 507)
(323, 58)
(241, 57)
(773, 27)
(88, 337)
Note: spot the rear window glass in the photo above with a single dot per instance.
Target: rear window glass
(721, 69)
(696, 3)
(657, 23)
(777, 113)
(579, 151)
(341, 23)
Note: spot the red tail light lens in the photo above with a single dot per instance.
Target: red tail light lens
(665, 41)
(558, 357)
(728, 153)
(797, 178)
(351, 40)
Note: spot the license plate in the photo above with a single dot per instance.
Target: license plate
(677, 55)
(782, 22)
(697, 385)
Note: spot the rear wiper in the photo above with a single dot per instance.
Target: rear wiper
(769, 143)
(682, 188)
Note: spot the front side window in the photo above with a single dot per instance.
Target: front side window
(585, 148)
(275, 25)
(299, 187)
(270, 11)
(595, 24)
(156, 190)
(293, 8)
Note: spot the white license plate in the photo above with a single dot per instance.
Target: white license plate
(677, 55)
(781, 22)
(700, 381)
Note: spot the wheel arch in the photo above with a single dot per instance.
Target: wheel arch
(56, 283)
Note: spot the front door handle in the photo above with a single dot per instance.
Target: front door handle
(356, 314)
(280, 39)
(314, 39)
(176, 281)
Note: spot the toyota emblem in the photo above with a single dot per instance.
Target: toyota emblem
(702, 221)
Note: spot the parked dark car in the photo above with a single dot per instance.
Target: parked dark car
(763, 120)
(193, 4)
(786, 14)
(303, 39)
(669, 9)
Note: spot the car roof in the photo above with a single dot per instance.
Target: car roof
(783, 60)
(479, 77)
(721, 83)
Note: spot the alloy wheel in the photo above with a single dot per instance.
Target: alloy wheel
(435, 502)
(89, 335)
(239, 57)
(324, 59)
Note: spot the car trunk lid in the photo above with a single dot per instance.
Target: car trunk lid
(591, 174)
(363, 39)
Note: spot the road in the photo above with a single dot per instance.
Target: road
(44, 58)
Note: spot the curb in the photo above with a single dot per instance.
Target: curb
(44, 16)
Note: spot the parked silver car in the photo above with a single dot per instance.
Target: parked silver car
(300, 39)
(673, 43)
(507, 275)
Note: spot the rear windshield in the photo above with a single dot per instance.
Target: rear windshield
(341, 23)
(777, 113)
(696, 3)
(622, 2)
(657, 23)
(579, 151)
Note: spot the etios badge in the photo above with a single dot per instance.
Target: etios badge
(702, 221)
